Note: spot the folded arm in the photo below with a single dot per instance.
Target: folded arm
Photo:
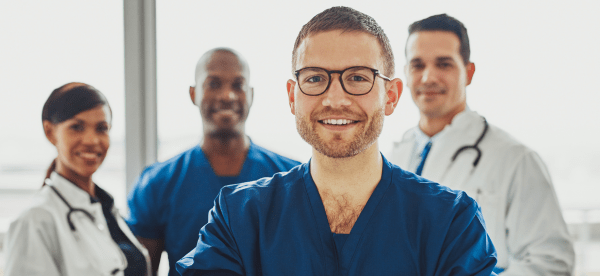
(537, 238)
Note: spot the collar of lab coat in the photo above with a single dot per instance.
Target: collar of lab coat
(77, 197)
(461, 119)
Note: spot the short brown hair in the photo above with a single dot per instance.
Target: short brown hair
(443, 22)
(347, 20)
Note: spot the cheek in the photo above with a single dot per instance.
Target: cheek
(410, 78)
(244, 100)
(64, 143)
(199, 97)
(64, 151)
(204, 106)
(308, 106)
(373, 101)
(456, 79)
(105, 143)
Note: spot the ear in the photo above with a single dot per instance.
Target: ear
(291, 85)
(470, 72)
(392, 96)
(193, 94)
(49, 131)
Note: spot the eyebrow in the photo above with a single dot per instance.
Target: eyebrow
(80, 121)
(416, 60)
(440, 59)
(219, 77)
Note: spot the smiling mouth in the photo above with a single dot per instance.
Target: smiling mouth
(89, 156)
(337, 122)
(231, 110)
(432, 92)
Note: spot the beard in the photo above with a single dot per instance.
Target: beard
(224, 128)
(337, 148)
(225, 134)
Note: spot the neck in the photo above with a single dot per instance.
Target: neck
(83, 182)
(433, 124)
(358, 175)
(226, 156)
(229, 146)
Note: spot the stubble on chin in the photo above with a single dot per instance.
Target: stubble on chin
(224, 134)
(337, 148)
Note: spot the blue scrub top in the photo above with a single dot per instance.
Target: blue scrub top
(278, 226)
(171, 200)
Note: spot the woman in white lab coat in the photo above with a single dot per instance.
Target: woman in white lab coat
(72, 227)
(511, 184)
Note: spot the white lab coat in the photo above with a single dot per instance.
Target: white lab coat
(40, 241)
(513, 188)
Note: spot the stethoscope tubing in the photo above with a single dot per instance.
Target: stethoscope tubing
(71, 211)
(474, 146)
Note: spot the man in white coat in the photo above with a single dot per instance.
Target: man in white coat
(508, 180)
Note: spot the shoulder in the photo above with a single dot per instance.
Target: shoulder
(427, 194)
(41, 213)
(266, 155)
(504, 144)
(407, 137)
(162, 172)
(265, 190)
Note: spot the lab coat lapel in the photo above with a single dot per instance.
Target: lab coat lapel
(439, 166)
(91, 238)
(401, 150)
(125, 228)
(76, 197)
(328, 250)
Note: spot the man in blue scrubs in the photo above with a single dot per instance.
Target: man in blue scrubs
(170, 201)
(348, 211)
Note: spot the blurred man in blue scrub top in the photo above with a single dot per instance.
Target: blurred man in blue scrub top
(348, 211)
(170, 201)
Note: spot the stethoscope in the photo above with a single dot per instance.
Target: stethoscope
(86, 213)
(474, 146)
(71, 209)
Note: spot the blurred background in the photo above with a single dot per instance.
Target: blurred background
(537, 74)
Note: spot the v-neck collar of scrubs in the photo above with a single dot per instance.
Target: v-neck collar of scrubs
(226, 180)
(348, 249)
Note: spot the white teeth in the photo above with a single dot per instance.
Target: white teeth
(88, 155)
(337, 122)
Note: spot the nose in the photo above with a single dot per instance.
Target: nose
(335, 96)
(429, 75)
(227, 95)
(90, 137)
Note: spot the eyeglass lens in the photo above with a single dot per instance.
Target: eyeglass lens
(357, 80)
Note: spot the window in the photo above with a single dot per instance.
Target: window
(45, 45)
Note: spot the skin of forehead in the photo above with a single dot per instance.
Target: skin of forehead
(311, 56)
(447, 43)
(220, 60)
(95, 115)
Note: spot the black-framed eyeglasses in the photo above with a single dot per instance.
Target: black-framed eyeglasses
(357, 80)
